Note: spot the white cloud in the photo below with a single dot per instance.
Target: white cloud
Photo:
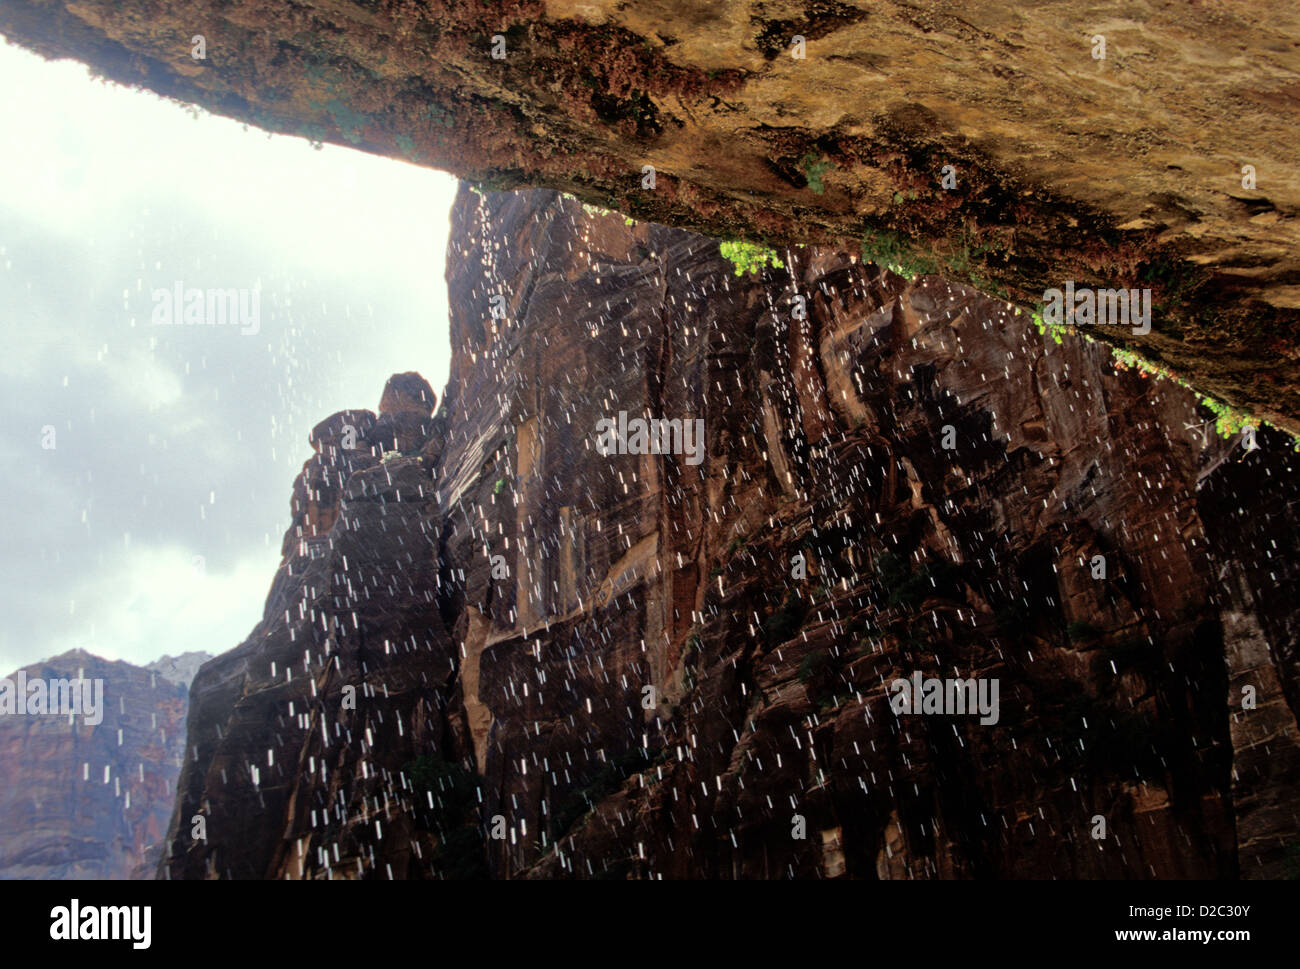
(164, 600)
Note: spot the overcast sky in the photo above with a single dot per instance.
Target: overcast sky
(175, 444)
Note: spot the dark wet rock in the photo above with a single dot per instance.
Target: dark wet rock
(408, 393)
(633, 665)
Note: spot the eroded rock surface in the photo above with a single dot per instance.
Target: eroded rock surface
(573, 664)
(1122, 167)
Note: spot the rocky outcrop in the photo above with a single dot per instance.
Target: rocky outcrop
(86, 799)
(507, 650)
(1010, 146)
(307, 725)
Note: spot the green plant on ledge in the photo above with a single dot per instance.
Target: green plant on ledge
(1047, 328)
(892, 251)
(814, 167)
(748, 257)
(1228, 420)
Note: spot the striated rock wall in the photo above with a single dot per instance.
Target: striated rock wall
(87, 800)
(501, 652)
(1119, 163)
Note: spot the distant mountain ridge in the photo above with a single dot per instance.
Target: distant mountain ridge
(179, 669)
(80, 801)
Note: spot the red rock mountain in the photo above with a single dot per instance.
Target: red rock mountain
(491, 650)
(93, 801)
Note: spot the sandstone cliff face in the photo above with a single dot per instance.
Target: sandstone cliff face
(501, 652)
(93, 801)
(1114, 167)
